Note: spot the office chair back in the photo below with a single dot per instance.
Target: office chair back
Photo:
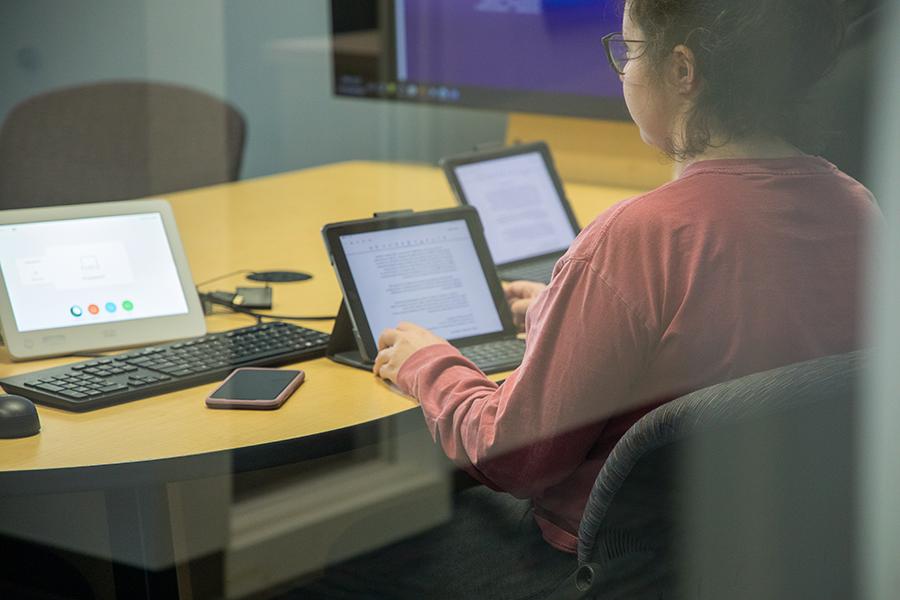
(678, 510)
(116, 140)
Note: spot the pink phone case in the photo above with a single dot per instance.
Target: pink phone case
(276, 402)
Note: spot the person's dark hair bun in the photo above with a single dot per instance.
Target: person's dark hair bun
(756, 60)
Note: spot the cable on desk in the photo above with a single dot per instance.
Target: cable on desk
(214, 279)
(209, 297)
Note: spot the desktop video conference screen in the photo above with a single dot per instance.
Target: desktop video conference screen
(515, 55)
(76, 272)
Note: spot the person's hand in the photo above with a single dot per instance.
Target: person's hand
(396, 345)
(520, 295)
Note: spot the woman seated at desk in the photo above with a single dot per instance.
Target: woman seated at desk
(750, 259)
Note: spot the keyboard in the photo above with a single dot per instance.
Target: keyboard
(493, 357)
(539, 271)
(154, 370)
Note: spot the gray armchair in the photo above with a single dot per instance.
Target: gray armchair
(740, 490)
(116, 140)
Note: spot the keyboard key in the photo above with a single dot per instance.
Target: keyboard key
(113, 387)
(49, 387)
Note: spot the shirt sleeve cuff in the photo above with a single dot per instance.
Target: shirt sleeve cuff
(418, 361)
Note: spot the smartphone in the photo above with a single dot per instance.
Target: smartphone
(256, 388)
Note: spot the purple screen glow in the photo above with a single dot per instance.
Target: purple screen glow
(527, 45)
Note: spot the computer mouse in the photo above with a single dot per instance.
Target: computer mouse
(18, 417)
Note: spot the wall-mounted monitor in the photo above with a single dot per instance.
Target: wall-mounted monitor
(542, 56)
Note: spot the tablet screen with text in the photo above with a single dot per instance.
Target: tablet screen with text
(519, 204)
(85, 271)
(426, 274)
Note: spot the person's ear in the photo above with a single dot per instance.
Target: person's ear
(683, 70)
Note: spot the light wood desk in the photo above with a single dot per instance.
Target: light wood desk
(267, 223)
(131, 451)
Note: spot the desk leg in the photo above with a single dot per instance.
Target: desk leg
(145, 562)
(140, 540)
(200, 516)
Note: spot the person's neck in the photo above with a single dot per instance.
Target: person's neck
(745, 148)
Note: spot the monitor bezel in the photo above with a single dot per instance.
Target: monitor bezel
(451, 163)
(111, 335)
(366, 339)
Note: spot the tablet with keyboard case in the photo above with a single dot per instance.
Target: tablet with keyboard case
(431, 268)
(528, 222)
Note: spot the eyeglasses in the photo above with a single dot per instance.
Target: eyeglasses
(617, 51)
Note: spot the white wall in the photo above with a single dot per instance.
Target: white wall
(46, 44)
(279, 72)
(270, 58)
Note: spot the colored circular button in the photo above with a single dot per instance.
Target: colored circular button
(76, 311)
(110, 307)
(93, 309)
(127, 305)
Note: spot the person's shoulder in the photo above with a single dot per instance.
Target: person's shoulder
(628, 218)
(841, 189)
(855, 188)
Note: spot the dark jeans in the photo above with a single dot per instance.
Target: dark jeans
(491, 548)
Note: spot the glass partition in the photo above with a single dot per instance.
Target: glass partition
(701, 404)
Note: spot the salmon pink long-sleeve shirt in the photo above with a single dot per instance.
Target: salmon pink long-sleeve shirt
(736, 267)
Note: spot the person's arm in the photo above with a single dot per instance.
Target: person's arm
(585, 347)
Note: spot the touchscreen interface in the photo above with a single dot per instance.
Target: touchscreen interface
(522, 212)
(76, 272)
(426, 274)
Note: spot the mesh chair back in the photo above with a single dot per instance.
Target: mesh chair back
(116, 140)
(652, 502)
